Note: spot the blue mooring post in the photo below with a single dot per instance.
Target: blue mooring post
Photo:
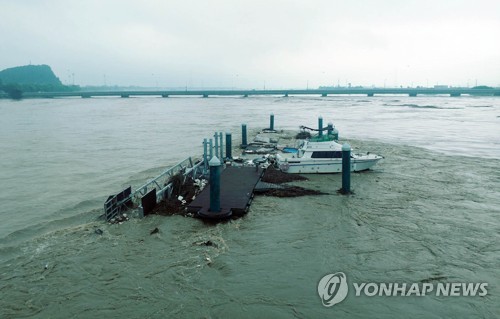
(271, 122)
(205, 155)
(330, 128)
(215, 168)
(320, 126)
(243, 136)
(210, 149)
(346, 169)
(216, 139)
(228, 146)
(221, 147)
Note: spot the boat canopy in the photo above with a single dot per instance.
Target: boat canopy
(316, 146)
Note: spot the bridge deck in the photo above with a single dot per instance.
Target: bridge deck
(246, 93)
(236, 191)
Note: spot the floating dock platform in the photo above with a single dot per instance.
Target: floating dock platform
(237, 185)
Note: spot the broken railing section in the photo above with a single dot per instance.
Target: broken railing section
(148, 195)
(116, 204)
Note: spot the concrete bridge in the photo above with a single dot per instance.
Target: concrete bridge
(285, 93)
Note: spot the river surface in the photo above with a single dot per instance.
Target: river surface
(428, 213)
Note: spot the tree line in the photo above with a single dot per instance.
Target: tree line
(15, 90)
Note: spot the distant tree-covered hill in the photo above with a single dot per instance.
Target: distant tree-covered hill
(31, 78)
(30, 74)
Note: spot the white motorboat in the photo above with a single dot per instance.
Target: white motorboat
(323, 157)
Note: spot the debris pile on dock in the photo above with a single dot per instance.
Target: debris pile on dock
(183, 193)
(302, 135)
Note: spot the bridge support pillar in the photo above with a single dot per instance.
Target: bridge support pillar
(412, 94)
(369, 94)
(286, 95)
(324, 95)
(205, 95)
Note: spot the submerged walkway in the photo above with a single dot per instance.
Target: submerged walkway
(236, 191)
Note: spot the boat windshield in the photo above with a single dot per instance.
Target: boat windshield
(326, 154)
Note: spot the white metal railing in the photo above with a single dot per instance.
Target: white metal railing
(162, 183)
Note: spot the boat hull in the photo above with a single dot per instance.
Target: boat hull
(297, 166)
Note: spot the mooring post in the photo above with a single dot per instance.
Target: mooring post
(243, 136)
(335, 134)
(271, 122)
(216, 138)
(221, 147)
(330, 128)
(320, 126)
(215, 170)
(210, 149)
(346, 169)
(205, 159)
(228, 146)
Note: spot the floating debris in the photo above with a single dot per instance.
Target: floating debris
(291, 191)
(154, 231)
(208, 243)
(98, 231)
(275, 176)
(119, 219)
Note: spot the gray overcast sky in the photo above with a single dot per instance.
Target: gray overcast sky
(252, 44)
